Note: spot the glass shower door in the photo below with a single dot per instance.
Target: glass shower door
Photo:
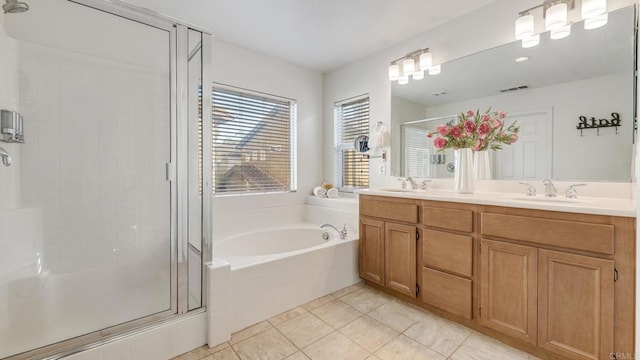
(87, 232)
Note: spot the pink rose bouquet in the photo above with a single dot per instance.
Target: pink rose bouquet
(475, 130)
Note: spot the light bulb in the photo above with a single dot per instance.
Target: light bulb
(561, 33)
(524, 26)
(403, 80)
(593, 8)
(408, 66)
(596, 22)
(426, 61)
(394, 72)
(556, 16)
(435, 69)
(531, 41)
(418, 75)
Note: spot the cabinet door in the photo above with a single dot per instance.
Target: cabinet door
(508, 289)
(575, 305)
(400, 258)
(371, 250)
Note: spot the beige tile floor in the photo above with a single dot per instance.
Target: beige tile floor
(356, 323)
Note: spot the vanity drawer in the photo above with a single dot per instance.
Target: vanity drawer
(576, 235)
(450, 219)
(447, 251)
(447, 292)
(389, 210)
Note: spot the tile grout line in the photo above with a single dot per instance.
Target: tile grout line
(460, 345)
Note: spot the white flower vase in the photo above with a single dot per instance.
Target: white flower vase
(463, 180)
(481, 165)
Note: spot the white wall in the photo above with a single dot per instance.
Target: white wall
(484, 28)
(246, 69)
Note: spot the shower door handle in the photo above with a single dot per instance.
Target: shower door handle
(6, 158)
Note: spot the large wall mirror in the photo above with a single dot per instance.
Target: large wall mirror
(546, 89)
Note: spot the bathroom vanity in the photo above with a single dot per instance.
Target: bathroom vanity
(553, 279)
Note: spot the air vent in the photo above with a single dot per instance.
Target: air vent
(521, 87)
(438, 93)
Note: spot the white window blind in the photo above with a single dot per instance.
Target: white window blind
(254, 137)
(417, 151)
(351, 120)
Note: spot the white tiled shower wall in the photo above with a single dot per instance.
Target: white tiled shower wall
(92, 127)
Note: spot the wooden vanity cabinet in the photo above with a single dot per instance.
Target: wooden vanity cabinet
(508, 289)
(556, 284)
(371, 250)
(447, 257)
(387, 245)
(548, 279)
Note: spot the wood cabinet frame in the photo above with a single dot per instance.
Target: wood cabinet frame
(619, 250)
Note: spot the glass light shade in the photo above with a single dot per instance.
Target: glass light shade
(394, 72)
(418, 75)
(426, 61)
(561, 33)
(593, 8)
(556, 16)
(435, 69)
(596, 22)
(524, 26)
(408, 66)
(531, 41)
(403, 80)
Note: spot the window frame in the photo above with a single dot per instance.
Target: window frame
(341, 145)
(292, 137)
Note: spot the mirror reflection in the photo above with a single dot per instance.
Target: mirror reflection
(557, 92)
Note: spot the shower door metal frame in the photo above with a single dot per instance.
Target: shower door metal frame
(177, 31)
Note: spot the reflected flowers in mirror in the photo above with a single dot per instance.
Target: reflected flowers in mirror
(475, 130)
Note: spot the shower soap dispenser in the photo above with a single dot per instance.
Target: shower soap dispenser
(11, 127)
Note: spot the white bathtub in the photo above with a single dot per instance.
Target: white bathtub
(256, 275)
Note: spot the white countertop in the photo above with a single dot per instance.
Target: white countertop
(583, 205)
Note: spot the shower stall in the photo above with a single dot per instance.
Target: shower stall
(104, 205)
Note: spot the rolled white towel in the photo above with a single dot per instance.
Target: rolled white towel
(319, 191)
(333, 193)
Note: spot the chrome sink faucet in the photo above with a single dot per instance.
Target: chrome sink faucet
(413, 183)
(549, 189)
(342, 233)
(531, 191)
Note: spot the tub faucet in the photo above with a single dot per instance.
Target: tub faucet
(343, 232)
(549, 188)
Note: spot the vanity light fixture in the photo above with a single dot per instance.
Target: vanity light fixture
(413, 64)
(560, 33)
(435, 70)
(596, 22)
(556, 15)
(394, 72)
(531, 41)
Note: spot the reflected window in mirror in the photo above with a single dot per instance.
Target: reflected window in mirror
(547, 89)
(351, 120)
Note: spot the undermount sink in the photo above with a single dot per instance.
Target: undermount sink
(561, 200)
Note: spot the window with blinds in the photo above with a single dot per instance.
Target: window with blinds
(351, 120)
(417, 149)
(253, 142)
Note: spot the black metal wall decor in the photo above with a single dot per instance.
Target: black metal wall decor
(592, 123)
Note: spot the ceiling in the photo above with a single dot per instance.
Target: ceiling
(318, 34)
